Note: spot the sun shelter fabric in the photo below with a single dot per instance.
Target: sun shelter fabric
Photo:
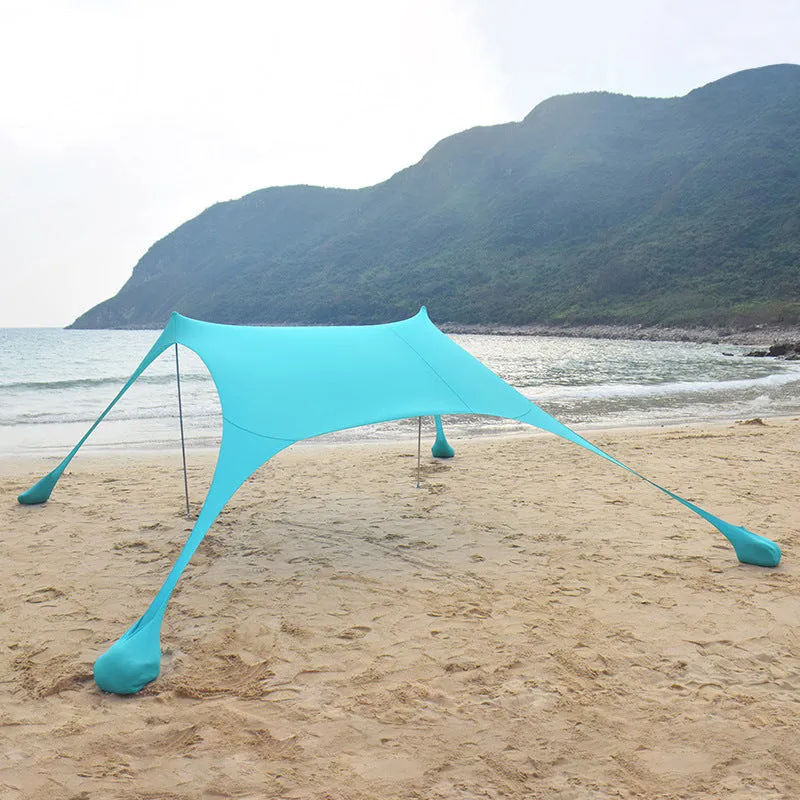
(278, 386)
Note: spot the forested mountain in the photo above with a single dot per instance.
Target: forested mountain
(595, 208)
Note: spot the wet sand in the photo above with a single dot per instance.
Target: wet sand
(531, 622)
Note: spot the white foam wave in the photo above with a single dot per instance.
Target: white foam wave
(611, 391)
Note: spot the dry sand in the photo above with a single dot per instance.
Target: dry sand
(532, 622)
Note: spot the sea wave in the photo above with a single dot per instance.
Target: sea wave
(88, 417)
(611, 391)
(91, 383)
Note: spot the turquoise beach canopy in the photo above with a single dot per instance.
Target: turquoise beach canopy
(280, 385)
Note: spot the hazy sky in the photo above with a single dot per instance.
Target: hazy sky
(121, 119)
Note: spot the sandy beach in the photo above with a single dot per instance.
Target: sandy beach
(531, 622)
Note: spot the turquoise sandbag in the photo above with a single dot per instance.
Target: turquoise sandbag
(133, 661)
(441, 447)
(41, 490)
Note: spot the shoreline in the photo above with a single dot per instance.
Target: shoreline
(758, 336)
(142, 451)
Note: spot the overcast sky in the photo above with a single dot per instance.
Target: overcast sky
(121, 119)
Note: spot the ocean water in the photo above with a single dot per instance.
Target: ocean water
(54, 383)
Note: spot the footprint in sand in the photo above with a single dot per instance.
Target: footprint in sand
(356, 632)
(711, 692)
(43, 595)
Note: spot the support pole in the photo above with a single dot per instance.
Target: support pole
(419, 448)
(183, 442)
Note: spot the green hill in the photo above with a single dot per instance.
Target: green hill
(596, 208)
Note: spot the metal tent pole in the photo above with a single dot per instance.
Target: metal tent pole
(419, 448)
(183, 441)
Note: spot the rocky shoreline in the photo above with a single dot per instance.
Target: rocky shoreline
(765, 336)
(789, 351)
(762, 336)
